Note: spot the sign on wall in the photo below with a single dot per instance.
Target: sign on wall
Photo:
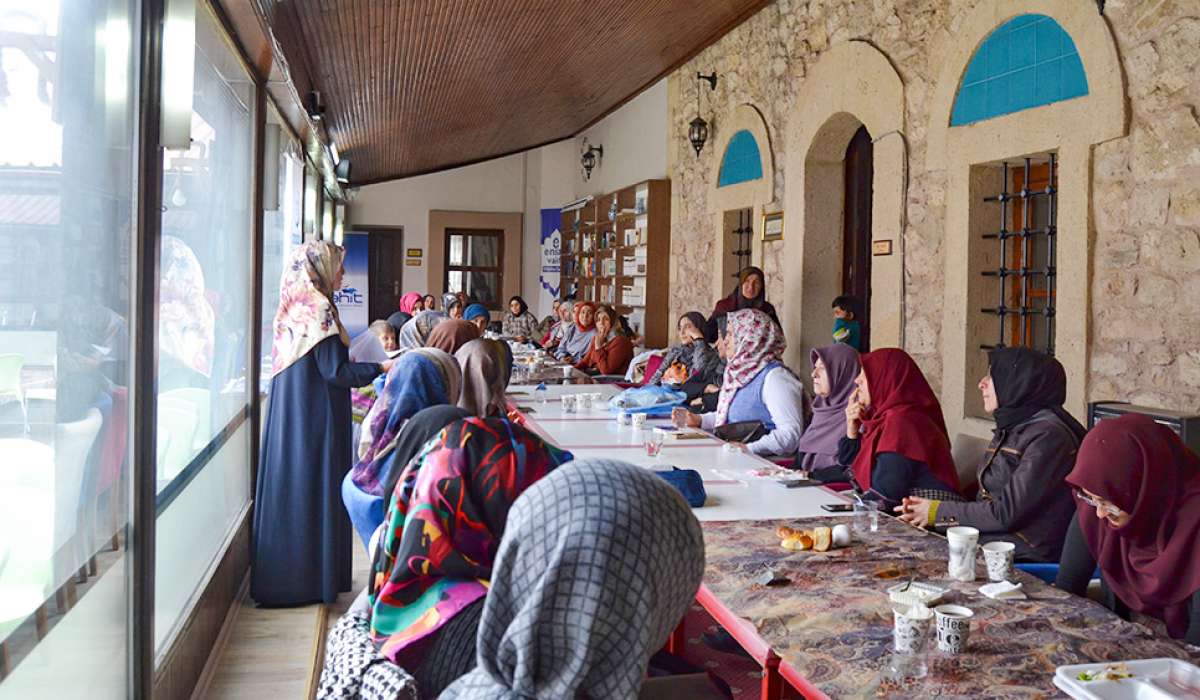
(351, 299)
(551, 250)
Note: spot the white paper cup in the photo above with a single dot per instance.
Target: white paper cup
(623, 418)
(909, 631)
(999, 559)
(585, 402)
(963, 542)
(568, 371)
(953, 627)
(568, 403)
(638, 420)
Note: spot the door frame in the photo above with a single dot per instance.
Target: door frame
(370, 231)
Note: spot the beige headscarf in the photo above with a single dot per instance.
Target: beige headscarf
(484, 379)
(306, 314)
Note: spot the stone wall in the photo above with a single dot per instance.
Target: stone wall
(1145, 308)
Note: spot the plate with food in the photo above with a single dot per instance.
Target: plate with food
(1144, 679)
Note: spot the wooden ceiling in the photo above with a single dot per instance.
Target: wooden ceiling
(416, 86)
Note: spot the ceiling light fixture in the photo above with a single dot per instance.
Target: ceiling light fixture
(698, 130)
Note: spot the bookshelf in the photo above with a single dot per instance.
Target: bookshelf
(616, 250)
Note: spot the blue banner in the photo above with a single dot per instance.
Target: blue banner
(351, 299)
(551, 250)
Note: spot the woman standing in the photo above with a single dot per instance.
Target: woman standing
(610, 350)
(750, 293)
(302, 537)
(519, 323)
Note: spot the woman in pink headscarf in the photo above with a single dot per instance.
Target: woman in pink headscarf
(411, 303)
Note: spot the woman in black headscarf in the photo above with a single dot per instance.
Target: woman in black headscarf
(1022, 497)
(397, 321)
(519, 323)
(750, 293)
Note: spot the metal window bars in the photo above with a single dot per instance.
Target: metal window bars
(741, 240)
(1015, 281)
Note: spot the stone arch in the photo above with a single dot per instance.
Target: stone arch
(752, 194)
(1070, 128)
(852, 85)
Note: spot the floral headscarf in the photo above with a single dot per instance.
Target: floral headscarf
(444, 523)
(307, 314)
(186, 319)
(756, 342)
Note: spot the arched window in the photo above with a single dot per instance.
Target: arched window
(1027, 62)
(742, 161)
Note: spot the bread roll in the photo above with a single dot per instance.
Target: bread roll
(822, 539)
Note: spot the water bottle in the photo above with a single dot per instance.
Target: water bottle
(541, 392)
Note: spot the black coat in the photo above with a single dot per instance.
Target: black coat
(1022, 496)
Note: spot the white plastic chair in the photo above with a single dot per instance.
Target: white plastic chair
(72, 444)
(11, 365)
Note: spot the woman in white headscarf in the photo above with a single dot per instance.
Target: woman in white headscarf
(301, 540)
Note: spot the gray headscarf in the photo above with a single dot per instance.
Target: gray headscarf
(414, 333)
(599, 561)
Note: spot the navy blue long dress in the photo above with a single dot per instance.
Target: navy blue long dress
(302, 539)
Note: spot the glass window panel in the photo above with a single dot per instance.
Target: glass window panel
(483, 251)
(456, 250)
(204, 315)
(456, 282)
(66, 232)
(482, 288)
(282, 230)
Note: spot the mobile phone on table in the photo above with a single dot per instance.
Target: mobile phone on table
(837, 507)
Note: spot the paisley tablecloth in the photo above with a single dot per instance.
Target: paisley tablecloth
(833, 622)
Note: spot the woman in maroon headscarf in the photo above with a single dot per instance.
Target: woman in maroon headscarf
(896, 443)
(750, 293)
(1138, 519)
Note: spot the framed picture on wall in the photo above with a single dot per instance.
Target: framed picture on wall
(772, 226)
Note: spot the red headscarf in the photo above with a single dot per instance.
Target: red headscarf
(1143, 468)
(904, 417)
(579, 307)
(408, 301)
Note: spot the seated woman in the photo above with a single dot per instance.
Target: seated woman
(412, 303)
(691, 357)
(834, 369)
(418, 380)
(1022, 497)
(756, 387)
(479, 315)
(451, 334)
(1138, 519)
(451, 305)
(896, 443)
(519, 324)
(444, 524)
(750, 293)
(610, 351)
(429, 303)
(416, 332)
(486, 369)
(598, 563)
(554, 336)
(397, 321)
(577, 338)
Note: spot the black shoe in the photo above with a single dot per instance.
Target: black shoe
(724, 642)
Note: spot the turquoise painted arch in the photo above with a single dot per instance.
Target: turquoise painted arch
(1029, 61)
(742, 161)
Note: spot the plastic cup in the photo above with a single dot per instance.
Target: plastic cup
(568, 371)
(910, 629)
(866, 517)
(623, 418)
(654, 443)
(963, 542)
(998, 556)
(568, 403)
(953, 627)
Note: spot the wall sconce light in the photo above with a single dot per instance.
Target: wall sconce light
(590, 159)
(698, 130)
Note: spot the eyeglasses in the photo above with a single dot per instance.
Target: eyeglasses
(1106, 508)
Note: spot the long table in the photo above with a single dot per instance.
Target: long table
(827, 632)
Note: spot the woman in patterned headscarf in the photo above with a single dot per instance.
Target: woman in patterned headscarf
(415, 333)
(445, 519)
(599, 561)
(419, 379)
(301, 541)
(757, 387)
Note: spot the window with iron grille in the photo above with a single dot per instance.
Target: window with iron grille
(1027, 267)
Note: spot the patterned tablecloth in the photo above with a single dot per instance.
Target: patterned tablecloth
(833, 622)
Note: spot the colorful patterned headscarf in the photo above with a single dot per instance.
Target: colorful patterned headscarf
(409, 301)
(756, 341)
(306, 314)
(444, 523)
(415, 382)
(186, 318)
(416, 332)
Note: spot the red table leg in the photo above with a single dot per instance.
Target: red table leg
(772, 682)
(677, 642)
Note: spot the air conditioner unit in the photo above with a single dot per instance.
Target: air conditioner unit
(1185, 425)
